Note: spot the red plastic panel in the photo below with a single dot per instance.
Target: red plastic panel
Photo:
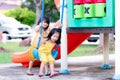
(100, 1)
(89, 1)
(78, 1)
(75, 39)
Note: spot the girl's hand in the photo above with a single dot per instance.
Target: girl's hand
(61, 24)
(37, 28)
(41, 23)
(39, 36)
(44, 42)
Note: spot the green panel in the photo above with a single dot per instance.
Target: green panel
(100, 10)
(106, 21)
(78, 11)
(89, 10)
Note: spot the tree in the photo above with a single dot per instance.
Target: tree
(50, 9)
(23, 15)
(38, 9)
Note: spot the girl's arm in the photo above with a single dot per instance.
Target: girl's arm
(37, 29)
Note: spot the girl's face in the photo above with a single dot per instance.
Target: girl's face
(55, 37)
(44, 25)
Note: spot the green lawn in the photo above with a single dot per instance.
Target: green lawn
(82, 50)
(5, 57)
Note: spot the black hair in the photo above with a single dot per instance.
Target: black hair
(46, 20)
(52, 32)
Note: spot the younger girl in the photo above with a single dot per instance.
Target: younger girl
(45, 49)
(45, 31)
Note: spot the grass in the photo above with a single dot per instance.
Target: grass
(82, 50)
(13, 46)
(5, 57)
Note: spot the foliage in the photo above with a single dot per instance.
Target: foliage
(29, 4)
(50, 9)
(23, 15)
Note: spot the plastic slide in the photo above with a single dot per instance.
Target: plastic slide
(73, 41)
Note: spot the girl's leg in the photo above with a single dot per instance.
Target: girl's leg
(46, 67)
(30, 65)
(52, 72)
(51, 61)
(31, 61)
(29, 68)
(41, 71)
(43, 63)
(51, 67)
(47, 71)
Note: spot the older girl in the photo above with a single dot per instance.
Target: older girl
(45, 31)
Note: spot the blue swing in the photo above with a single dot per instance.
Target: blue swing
(35, 50)
(36, 53)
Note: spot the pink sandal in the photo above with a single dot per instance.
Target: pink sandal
(41, 75)
(54, 74)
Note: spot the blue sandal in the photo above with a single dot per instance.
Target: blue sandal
(29, 72)
(47, 73)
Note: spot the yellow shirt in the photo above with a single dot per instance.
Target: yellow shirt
(46, 48)
(35, 39)
(43, 37)
(45, 52)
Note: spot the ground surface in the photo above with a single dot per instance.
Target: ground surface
(81, 68)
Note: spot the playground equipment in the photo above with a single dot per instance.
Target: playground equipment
(23, 57)
(86, 17)
(91, 13)
(117, 42)
(72, 44)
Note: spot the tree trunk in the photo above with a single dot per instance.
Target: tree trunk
(38, 14)
(38, 9)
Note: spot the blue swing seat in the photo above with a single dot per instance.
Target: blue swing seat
(36, 53)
